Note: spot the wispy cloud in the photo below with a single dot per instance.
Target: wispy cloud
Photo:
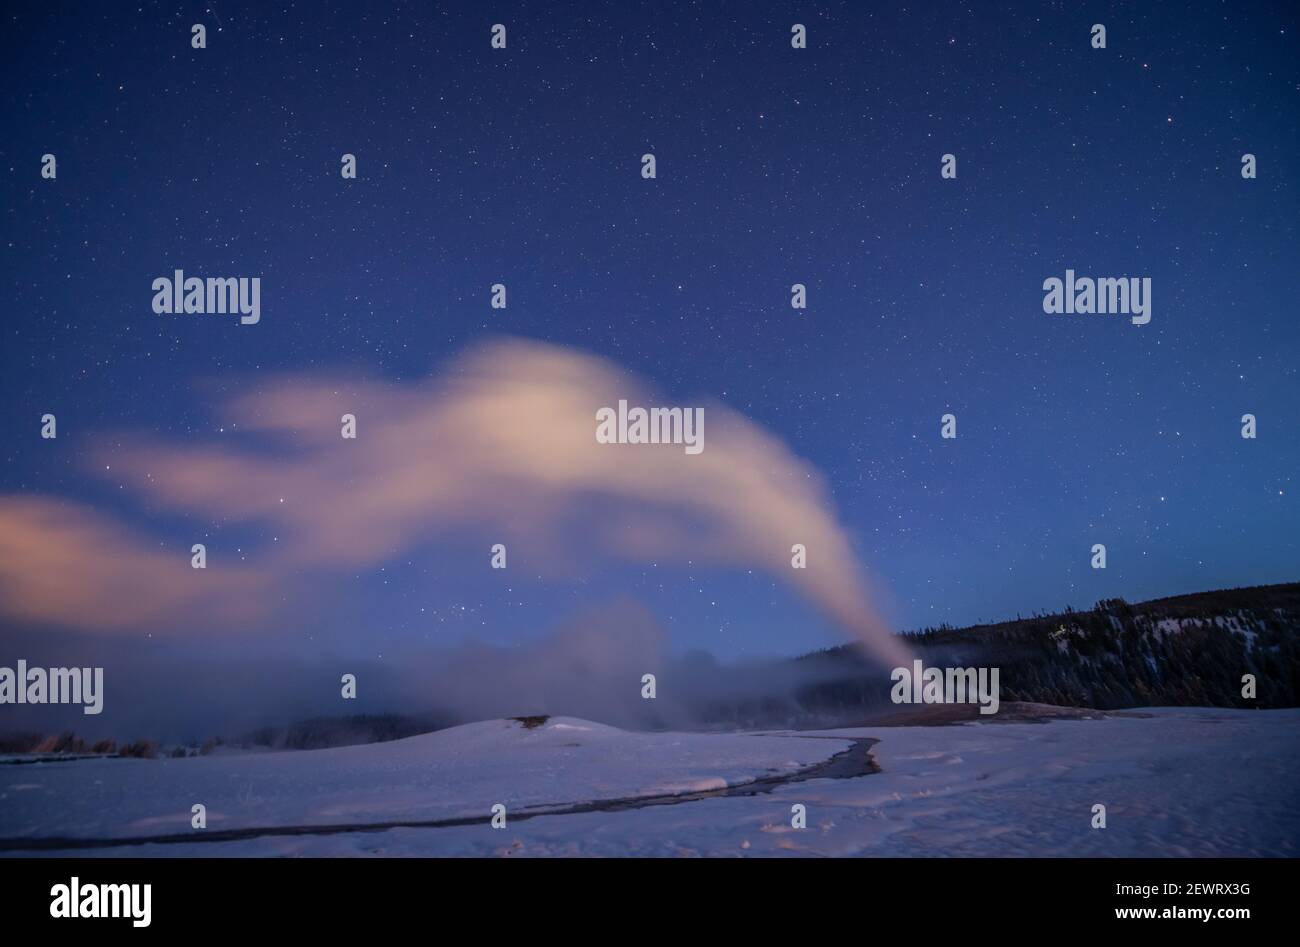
(66, 564)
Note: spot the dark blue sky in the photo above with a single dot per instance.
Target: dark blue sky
(775, 166)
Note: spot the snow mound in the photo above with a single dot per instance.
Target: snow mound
(461, 772)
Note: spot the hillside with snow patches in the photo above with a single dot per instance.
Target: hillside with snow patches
(1190, 650)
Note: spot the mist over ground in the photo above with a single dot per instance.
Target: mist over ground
(589, 666)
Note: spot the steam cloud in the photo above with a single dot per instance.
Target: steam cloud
(502, 441)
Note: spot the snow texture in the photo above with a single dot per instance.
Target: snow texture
(1175, 782)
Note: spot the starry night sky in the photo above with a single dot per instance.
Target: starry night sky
(775, 166)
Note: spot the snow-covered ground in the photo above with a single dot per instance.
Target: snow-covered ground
(1174, 782)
